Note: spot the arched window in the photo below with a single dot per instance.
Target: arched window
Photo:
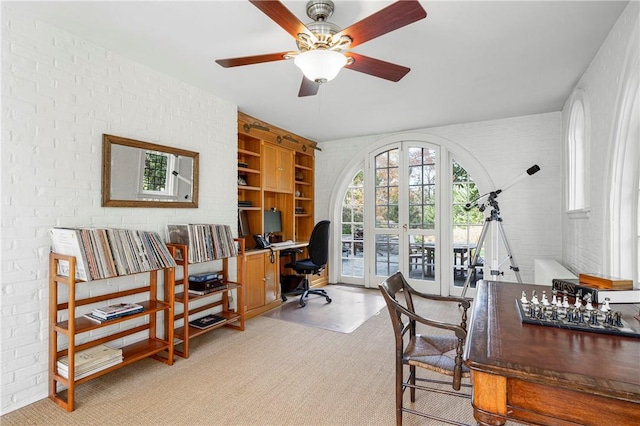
(577, 153)
(577, 150)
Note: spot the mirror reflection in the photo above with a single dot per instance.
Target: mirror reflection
(142, 174)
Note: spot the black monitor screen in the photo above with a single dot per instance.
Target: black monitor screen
(243, 224)
(272, 222)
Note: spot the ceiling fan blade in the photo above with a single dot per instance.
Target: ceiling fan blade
(282, 16)
(249, 60)
(376, 67)
(308, 87)
(392, 17)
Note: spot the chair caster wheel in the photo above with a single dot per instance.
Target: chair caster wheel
(284, 298)
(328, 300)
(302, 304)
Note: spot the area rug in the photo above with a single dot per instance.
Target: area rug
(350, 307)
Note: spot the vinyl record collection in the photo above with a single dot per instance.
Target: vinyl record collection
(206, 242)
(107, 252)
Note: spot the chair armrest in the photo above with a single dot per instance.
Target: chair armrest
(459, 330)
(465, 302)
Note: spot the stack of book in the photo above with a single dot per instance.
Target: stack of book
(110, 312)
(617, 290)
(90, 361)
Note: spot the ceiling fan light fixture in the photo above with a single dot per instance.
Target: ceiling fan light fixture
(320, 65)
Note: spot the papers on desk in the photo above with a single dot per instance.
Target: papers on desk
(282, 244)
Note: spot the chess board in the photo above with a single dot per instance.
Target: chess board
(570, 318)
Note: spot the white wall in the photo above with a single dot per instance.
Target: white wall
(504, 149)
(584, 239)
(59, 95)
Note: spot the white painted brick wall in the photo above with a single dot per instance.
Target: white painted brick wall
(583, 239)
(505, 148)
(59, 95)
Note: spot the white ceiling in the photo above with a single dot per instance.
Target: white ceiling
(470, 61)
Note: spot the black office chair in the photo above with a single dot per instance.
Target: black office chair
(318, 249)
(440, 352)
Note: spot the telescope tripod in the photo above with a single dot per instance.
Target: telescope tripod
(495, 220)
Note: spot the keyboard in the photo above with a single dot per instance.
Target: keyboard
(283, 244)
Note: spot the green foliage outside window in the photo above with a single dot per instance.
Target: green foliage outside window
(155, 172)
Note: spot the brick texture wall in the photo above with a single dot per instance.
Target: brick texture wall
(59, 95)
(503, 150)
(584, 239)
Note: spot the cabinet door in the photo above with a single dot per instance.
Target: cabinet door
(269, 167)
(277, 168)
(272, 281)
(285, 170)
(254, 282)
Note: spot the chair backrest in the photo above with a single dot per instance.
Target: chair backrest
(391, 288)
(318, 247)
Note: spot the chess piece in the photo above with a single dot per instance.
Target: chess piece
(523, 299)
(565, 301)
(588, 305)
(605, 305)
(617, 319)
(534, 298)
(554, 312)
(578, 302)
(608, 318)
(545, 301)
(593, 317)
(554, 299)
(581, 310)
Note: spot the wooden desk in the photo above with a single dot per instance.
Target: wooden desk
(544, 375)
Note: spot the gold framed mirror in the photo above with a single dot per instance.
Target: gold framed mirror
(143, 174)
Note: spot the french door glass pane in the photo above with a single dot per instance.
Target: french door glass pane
(353, 228)
(422, 257)
(386, 255)
(387, 181)
(422, 181)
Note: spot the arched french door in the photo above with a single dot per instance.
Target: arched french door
(405, 226)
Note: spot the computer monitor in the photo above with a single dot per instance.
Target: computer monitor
(272, 221)
(243, 224)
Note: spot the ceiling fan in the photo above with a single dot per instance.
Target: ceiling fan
(323, 48)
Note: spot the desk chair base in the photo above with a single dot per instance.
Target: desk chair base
(304, 291)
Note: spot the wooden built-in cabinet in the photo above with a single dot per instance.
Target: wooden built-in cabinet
(194, 304)
(275, 171)
(277, 168)
(263, 283)
(64, 304)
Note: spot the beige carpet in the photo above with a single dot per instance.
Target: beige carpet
(350, 307)
(274, 373)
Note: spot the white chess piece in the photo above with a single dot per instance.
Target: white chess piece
(545, 301)
(565, 301)
(578, 302)
(523, 299)
(605, 305)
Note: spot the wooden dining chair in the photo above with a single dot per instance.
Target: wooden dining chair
(440, 352)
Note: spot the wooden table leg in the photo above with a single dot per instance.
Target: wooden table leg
(489, 398)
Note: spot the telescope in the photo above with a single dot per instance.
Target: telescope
(490, 198)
